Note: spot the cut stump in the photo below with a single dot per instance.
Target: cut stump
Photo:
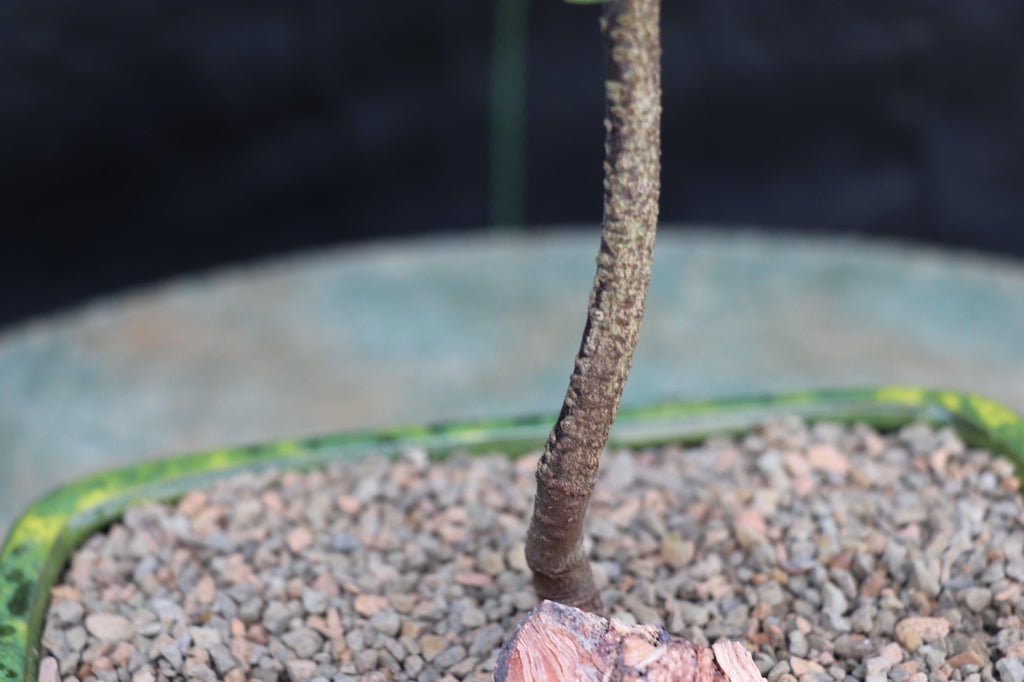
(557, 643)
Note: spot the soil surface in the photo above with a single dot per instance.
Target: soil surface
(831, 553)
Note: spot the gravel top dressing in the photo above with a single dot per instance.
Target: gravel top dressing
(831, 553)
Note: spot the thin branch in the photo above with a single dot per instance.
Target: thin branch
(568, 467)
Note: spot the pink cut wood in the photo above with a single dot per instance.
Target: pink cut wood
(557, 643)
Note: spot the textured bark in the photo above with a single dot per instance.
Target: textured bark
(555, 643)
(568, 467)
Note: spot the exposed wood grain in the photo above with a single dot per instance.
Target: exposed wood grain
(556, 643)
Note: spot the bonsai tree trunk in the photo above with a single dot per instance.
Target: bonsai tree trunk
(568, 467)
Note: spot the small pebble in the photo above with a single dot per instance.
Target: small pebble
(314, 601)
(204, 637)
(977, 599)
(300, 539)
(303, 641)
(431, 646)
(912, 632)
(370, 604)
(366, 660)
(199, 671)
(386, 622)
(676, 551)
(49, 671)
(487, 640)
(108, 627)
(301, 669)
(801, 667)
(449, 657)
(1010, 669)
(142, 675)
(798, 643)
(491, 562)
(67, 612)
(473, 618)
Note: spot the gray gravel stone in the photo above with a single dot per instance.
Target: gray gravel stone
(144, 675)
(473, 618)
(863, 618)
(314, 601)
(275, 617)
(303, 641)
(450, 657)
(168, 610)
(76, 638)
(487, 639)
(49, 670)
(694, 614)
(67, 613)
(387, 623)
(771, 594)
(977, 598)
(1008, 638)
(764, 662)
(852, 646)
(172, 654)
(925, 576)
(413, 665)
(301, 669)
(251, 610)
(781, 668)
(222, 659)
(204, 637)
(198, 671)
(1010, 669)
(366, 660)
(798, 644)
(833, 599)
(835, 622)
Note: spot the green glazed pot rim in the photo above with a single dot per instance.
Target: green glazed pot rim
(41, 540)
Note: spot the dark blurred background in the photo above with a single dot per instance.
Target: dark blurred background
(141, 140)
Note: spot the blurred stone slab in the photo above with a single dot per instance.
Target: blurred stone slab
(458, 327)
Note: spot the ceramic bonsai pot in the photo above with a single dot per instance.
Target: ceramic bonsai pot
(40, 542)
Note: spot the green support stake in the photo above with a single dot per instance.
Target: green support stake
(508, 114)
